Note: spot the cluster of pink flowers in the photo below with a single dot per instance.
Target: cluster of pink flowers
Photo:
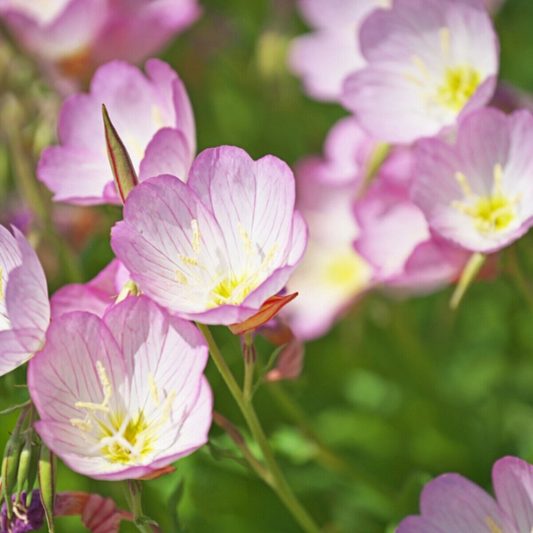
(419, 178)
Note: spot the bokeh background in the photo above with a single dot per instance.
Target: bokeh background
(399, 391)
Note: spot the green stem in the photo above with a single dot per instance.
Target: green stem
(469, 274)
(277, 481)
(249, 366)
(518, 276)
(132, 490)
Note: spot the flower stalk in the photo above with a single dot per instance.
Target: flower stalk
(277, 480)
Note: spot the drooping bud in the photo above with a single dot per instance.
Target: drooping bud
(47, 484)
(119, 159)
(290, 362)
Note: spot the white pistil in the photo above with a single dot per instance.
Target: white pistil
(465, 186)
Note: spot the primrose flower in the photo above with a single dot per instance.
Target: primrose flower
(325, 57)
(428, 63)
(95, 296)
(123, 396)
(24, 305)
(395, 239)
(215, 249)
(153, 115)
(79, 35)
(478, 193)
(331, 272)
(453, 503)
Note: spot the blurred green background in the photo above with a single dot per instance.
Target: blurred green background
(398, 392)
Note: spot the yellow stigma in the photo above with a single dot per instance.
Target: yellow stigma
(459, 84)
(492, 213)
(116, 434)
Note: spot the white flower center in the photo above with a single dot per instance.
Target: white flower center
(119, 436)
(492, 213)
(210, 286)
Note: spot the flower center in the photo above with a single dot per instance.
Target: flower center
(222, 285)
(459, 84)
(344, 269)
(119, 436)
(453, 86)
(490, 214)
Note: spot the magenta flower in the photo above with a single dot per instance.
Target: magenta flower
(215, 249)
(396, 240)
(79, 35)
(478, 192)
(24, 305)
(123, 396)
(325, 57)
(453, 503)
(95, 296)
(429, 62)
(153, 116)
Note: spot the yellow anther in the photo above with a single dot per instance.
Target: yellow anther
(107, 389)
(166, 410)
(498, 179)
(492, 525)
(196, 237)
(247, 243)
(1, 286)
(180, 277)
(157, 117)
(84, 425)
(463, 182)
(189, 260)
(445, 42)
(153, 390)
(421, 66)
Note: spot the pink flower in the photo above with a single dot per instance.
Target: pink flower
(123, 396)
(429, 62)
(24, 306)
(152, 114)
(331, 274)
(453, 503)
(215, 249)
(325, 57)
(79, 35)
(396, 240)
(478, 192)
(95, 296)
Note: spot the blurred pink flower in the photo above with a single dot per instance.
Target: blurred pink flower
(95, 296)
(79, 35)
(324, 57)
(453, 503)
(152, 114)
(215, 249)
(429, 63)
(494, 5)
(396, 240)
(123, 396)
(478, 192)
(24, 305)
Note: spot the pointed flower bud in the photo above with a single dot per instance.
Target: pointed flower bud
(47, 484)
(119, 159)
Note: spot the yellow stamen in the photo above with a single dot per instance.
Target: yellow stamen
(459, 84)
(421, 66)
(180, 277)
(153, 390)
(463, 182)
(107, 389)
(247, 243)
(444, 34)
(196, 237)
(498, 178)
